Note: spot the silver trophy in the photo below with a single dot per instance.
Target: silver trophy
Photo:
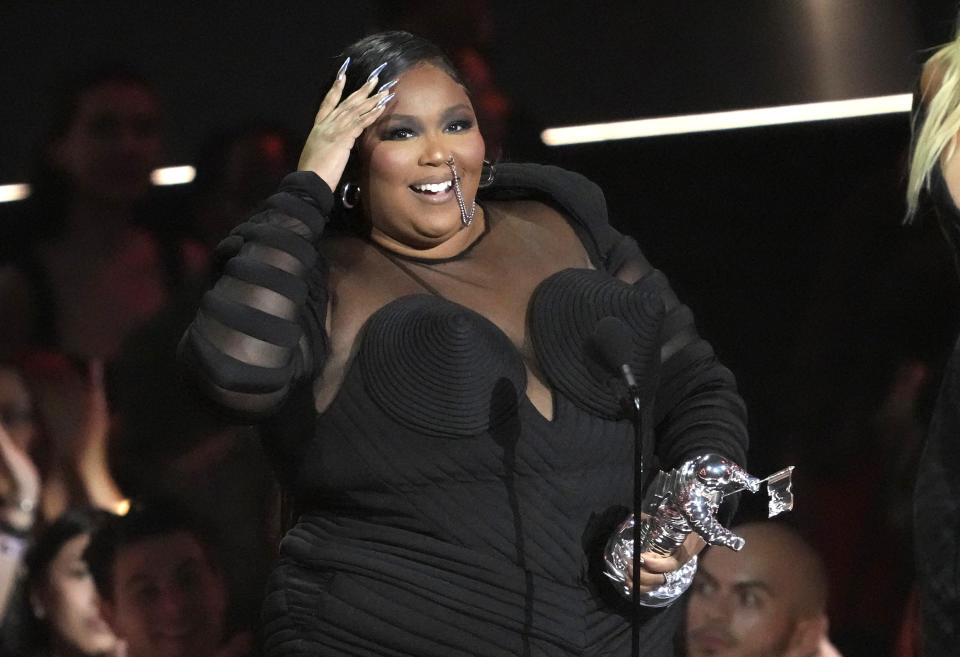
(682, 501)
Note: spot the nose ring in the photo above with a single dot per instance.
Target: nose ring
(465, 217)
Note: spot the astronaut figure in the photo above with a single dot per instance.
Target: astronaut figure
(679, 502)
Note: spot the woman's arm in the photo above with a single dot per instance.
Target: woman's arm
(248, 343)
(260, 329)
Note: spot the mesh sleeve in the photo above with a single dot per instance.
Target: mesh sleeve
(259, 329)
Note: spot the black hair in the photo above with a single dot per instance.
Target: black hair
(30, 635)
(145, 520)
(400, 51)
(69, 525)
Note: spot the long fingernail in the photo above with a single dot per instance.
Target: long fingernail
(384, 101)
(388, 85)
(343, 69)
(375, 72)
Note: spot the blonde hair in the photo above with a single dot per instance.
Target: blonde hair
(937, 134)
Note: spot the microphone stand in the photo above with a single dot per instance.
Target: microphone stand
(638, 465)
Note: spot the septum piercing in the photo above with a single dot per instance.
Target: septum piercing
(465, 218)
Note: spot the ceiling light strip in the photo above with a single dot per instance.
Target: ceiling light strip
(178, 175)
(15, 192)
(731, 120)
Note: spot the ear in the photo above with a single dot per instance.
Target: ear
(808, 631)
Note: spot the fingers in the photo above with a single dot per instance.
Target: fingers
(658, 565)
(360, 101)
(331, 99)
(649, 579)
(339, 123)
(690, 547)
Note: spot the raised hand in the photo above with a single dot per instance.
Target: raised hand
(338, 124)
(22, 484)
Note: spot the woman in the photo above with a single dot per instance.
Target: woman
(64, 617)
(935, 169)
(464, 465)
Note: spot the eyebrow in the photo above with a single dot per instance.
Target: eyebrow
(753, 584)
(455, 109)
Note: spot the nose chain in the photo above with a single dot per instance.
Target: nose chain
(465, 218)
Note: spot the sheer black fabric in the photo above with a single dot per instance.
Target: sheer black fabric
(937, 493)
(459, 488)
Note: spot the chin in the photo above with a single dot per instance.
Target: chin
(438, 232)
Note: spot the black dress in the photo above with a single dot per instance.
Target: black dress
(444, 513)
(936, 499)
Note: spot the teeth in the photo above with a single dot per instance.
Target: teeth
(434, 187)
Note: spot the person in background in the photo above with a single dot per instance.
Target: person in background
(21, 484)
(58, 418)
(934, 182)
(89, 262)
(63, 613)
(768, 600)
(161, 586)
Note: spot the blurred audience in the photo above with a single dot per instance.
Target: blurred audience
(768, 600)
(236, 170)
(61, 614)
(161, 585)
(89, 262)
(21, 489)
(57, 419)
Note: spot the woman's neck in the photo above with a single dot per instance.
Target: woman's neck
(453, 246)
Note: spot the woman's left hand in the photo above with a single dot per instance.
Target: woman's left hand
(653, 566)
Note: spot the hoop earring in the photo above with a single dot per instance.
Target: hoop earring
(487, 174)
(350, 195)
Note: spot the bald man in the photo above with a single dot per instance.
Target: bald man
(768, 600)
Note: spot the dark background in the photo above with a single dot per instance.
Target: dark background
(787, 241)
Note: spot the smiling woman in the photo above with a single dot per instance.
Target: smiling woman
(418, 324)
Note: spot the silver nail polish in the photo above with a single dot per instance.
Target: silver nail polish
(343, 69)
(375, 72)
(387, 85)
(384, 101)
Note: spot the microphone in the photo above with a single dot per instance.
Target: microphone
(612, 346)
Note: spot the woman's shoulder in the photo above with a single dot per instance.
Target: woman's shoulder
(578, 199)
(519, 179)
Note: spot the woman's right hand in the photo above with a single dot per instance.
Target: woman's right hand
(337, 126)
